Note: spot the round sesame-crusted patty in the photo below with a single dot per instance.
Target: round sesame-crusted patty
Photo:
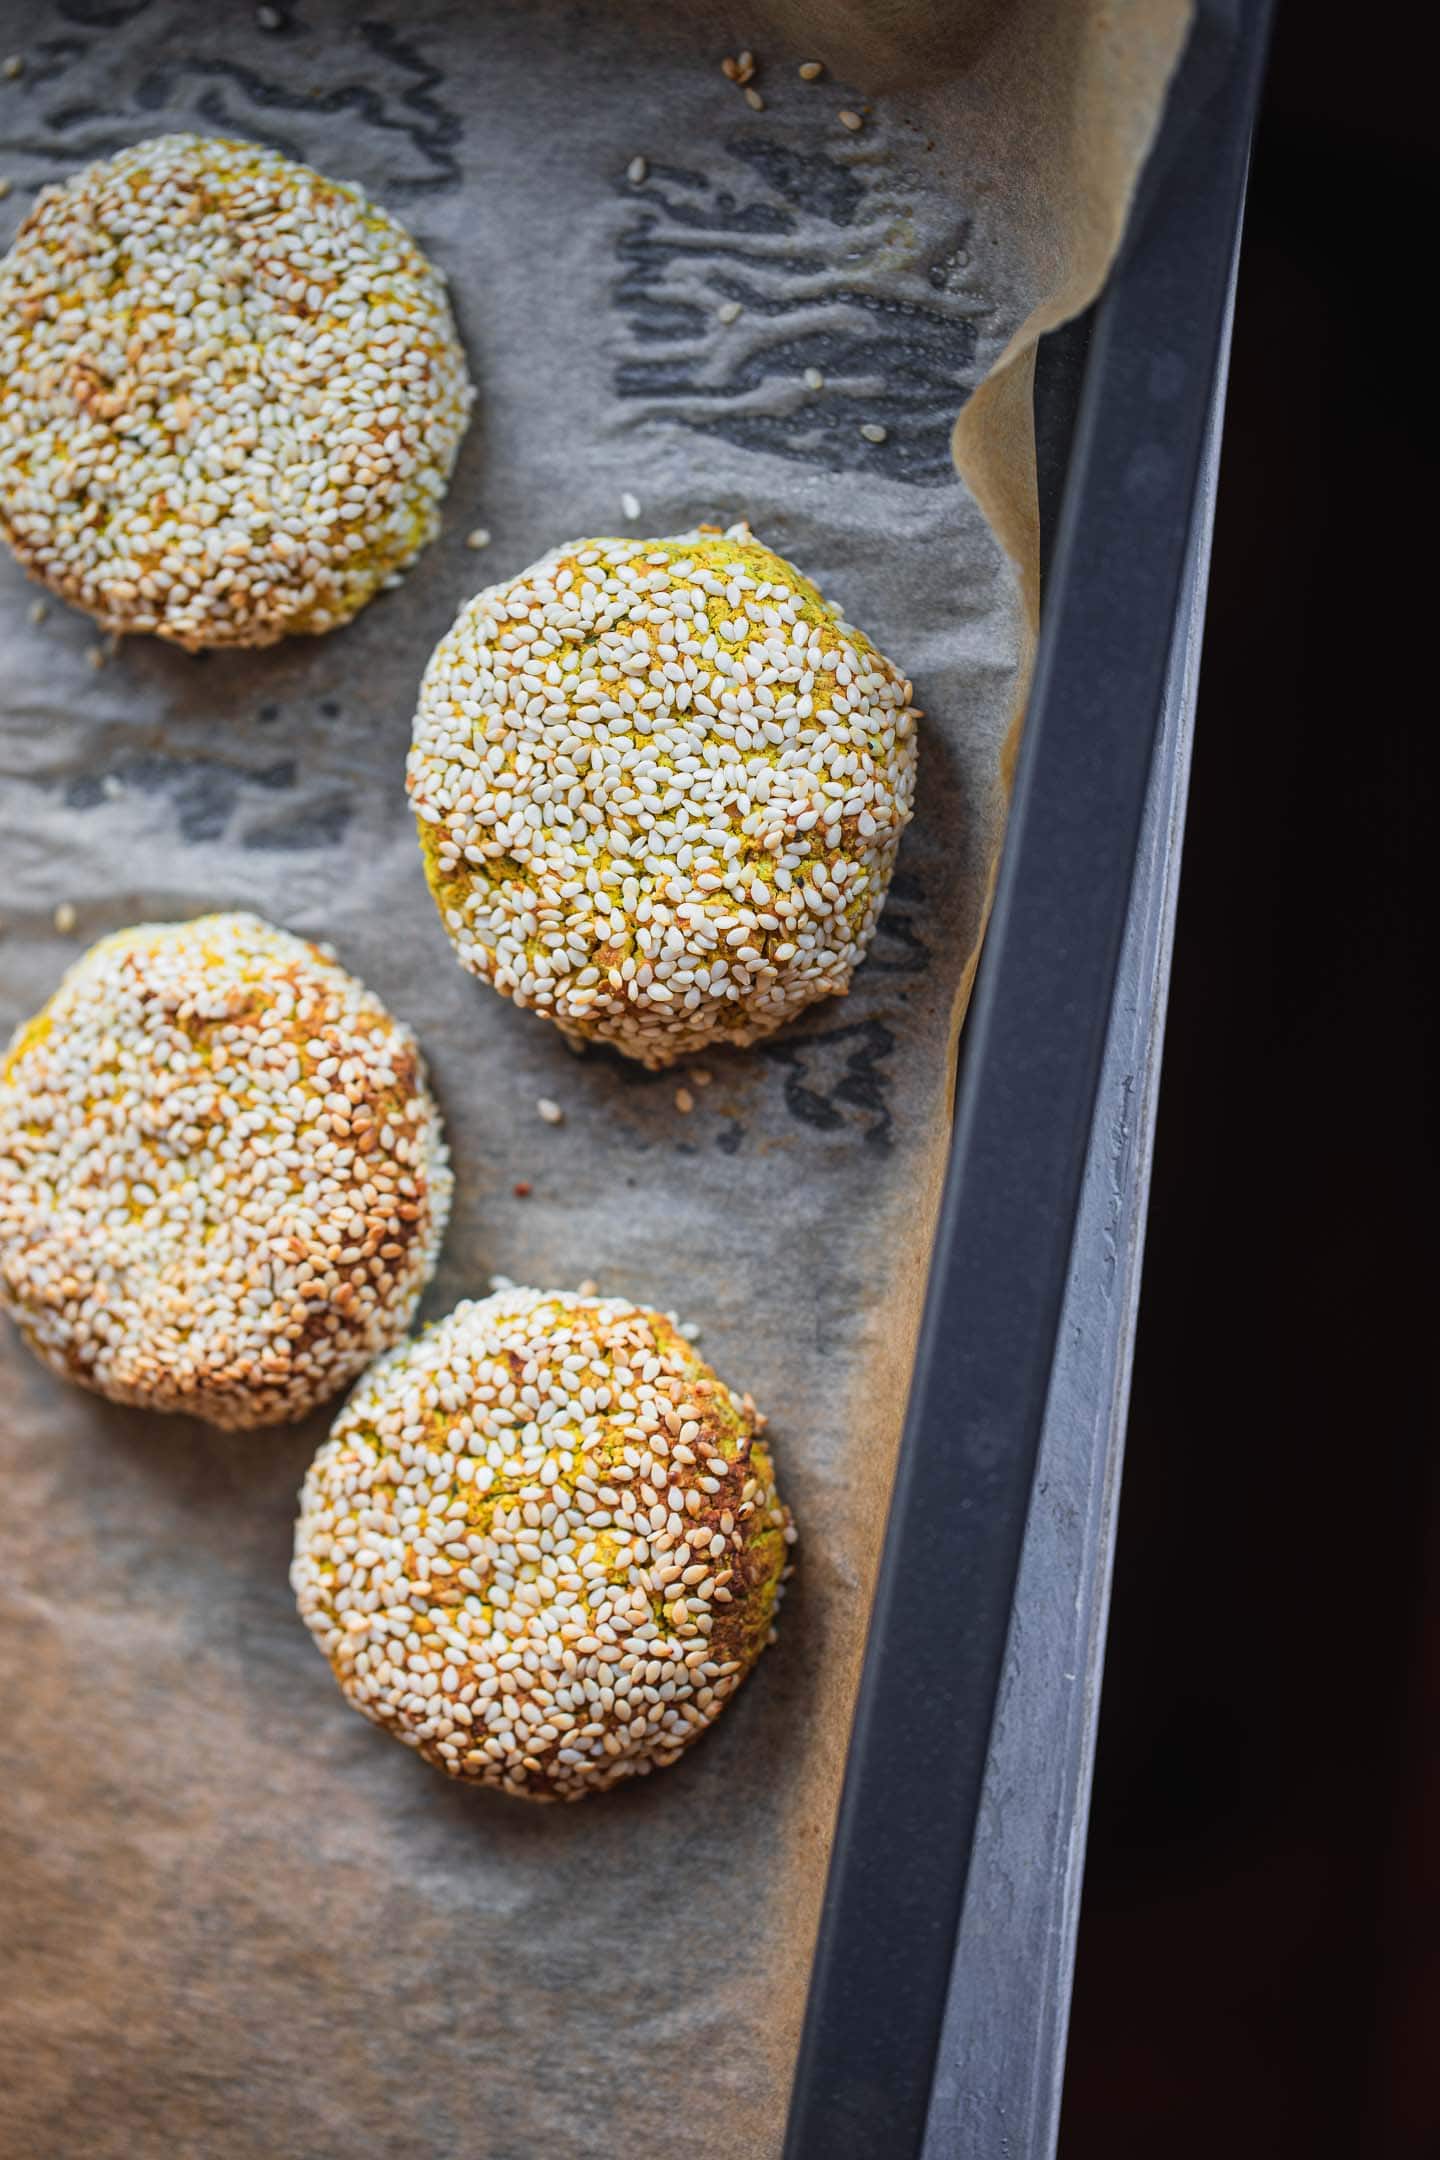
(231, 393)
(542, 1545)
(660, 785)
(223, 1183)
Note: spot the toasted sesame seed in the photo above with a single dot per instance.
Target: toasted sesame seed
(729, 311)
(873, 432)
(630, 505)
(700, 1076)
(549, 1110)
(659, 786)
(158, 466)
(223, 1182)
(515, 1602)
(684, 1100)
(810, 70)
(65, 917)
(813, 379)
(754, 100)
(851, 120)
(637, 171)
(478, 538)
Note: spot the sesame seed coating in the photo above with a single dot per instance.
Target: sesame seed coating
(660, 785)
(223, 1182)
(231, 393)
(542, 1545)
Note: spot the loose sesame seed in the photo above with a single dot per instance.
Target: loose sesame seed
(851, 120)
(637, 171)
(223, 1182)
(231, 394)
(754, 100)
(39, 609)
(479, 538)
(13, 67)
(65, 917)
(523, 1609)
(813, 379)
(684, 1100)
(630, 505)
(269, 18)
(5, 186)
(659, 786)
(810, 70)
(549, 1111)
(873, 432)
(729, 311)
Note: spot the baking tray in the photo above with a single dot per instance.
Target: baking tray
(298, 807)
(1144, 381)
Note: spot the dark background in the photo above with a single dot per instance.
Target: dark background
(1259, 1963)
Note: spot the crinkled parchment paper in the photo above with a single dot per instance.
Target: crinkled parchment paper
(237, 1920)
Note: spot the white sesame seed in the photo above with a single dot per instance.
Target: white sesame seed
(192, 1216)
(5, 186)
(178, 480)
(630, 505)
(549, 1111)
(39, 609)
(14, 67)
(637, 171)
(479, 538)
(873, 432)
(729, 311)
(810, 70)
(851, 120)
(813, 379)
(754, 100)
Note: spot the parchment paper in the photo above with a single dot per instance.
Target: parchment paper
(237, 1920)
